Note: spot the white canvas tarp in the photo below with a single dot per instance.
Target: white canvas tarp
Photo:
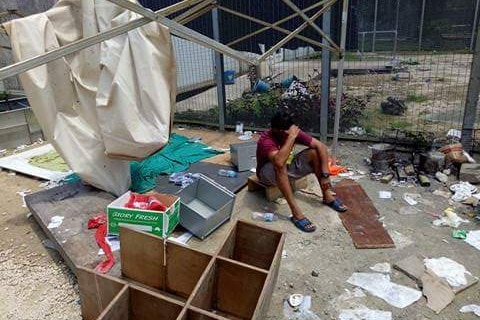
(108, 102)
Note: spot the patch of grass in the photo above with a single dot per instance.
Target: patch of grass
(400, 124)
(417, 98)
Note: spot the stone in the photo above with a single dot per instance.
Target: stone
(315, 273)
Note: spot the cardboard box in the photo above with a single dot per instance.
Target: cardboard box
(157, 222)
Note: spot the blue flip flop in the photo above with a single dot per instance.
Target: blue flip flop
(303, 223)
(336, 205)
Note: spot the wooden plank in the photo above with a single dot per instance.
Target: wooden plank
(361, 219)
(273, 192)
(438, 292)
(118, 309)
(252, 245)
(203, 295)
(184, 268)
(76, 203)
(193, 313)
(238, 289)
(147, 305)
(96, 292)
(142, 257)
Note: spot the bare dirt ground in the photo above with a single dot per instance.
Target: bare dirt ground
(35, 284)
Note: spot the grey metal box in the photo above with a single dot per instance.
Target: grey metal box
(204, 206)
(244, 155)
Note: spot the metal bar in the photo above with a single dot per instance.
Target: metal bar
(363, 43)
(219, 70)
(197, 15)
(184, 32)
(310, 22)
(325, 90)
(279, 22)
(179, 6)
(471, 103)
(420, 33)
(58, 53)
(193, 10)
(283, 30)
(338, 102)
(395, 40)
(375, 15)
(474, 27)
(295, 32)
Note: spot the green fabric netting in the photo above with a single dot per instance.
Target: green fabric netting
(176, 156)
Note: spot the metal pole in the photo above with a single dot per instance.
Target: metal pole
(293, 34)
(474, 27)
(219, 69)
(395, 40)
(325, 97)
(279, 22)
(363, 43)
(420, 35)
(375, 26)
(338, 102)
(471, 103)
(310, 22)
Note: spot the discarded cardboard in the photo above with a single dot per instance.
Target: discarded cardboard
(470, 172)
(156, 222)
(439, 294)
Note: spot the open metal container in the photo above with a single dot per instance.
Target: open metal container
(204, 206)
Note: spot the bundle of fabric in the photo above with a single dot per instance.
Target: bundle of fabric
(103, 105)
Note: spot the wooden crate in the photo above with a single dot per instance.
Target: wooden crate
(172, 281)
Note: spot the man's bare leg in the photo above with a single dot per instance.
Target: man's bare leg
(283, 183)
(315, 161)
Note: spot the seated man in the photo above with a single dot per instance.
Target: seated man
(276, 164)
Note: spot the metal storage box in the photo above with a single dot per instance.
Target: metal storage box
(244, 155)
(204, 206)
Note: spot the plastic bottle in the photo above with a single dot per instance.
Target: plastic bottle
(227, 173)
(264, 216)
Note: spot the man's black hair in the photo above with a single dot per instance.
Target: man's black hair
(282, 120)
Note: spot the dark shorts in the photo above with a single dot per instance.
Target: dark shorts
(300, 167)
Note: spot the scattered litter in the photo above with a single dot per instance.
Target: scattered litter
(363, 313)
(281, 201)
(400, 240)
(5, 229)
(315, 274)
(382, 267)
(462, 191)
(11, 173)
(284, 254)
(441, 193)
(183, 238)
(411, 198)
(295, 300)
(195, 139)
(247, 135)
(346, 174)
(450, 219)
(19, 148)
(473, 239)
(454, 134)
(385, 194)
(183, 179)
(442, 177)
(254, 170)
(113, 242)
(459, 234)
(55, 222)
(355, 293)
(29, 215)
(264, 216)
(49, 184)
(357, 131)
(302, 312)
(49, 244)
(22, 194)
(445, 240)
(380, 286)
(471, 308)
(408, 210)
(449, 270)
(3, 151)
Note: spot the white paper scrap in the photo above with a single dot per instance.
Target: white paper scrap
(380, 286)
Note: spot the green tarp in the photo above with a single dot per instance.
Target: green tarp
(176, 156)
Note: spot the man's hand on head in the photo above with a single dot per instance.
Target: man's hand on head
(293, 131)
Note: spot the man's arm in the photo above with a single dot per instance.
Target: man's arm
(279, 158)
